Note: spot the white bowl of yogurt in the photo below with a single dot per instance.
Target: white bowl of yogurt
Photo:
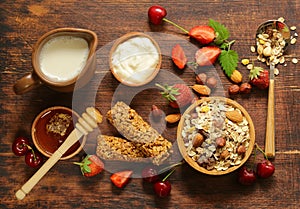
(135, 59)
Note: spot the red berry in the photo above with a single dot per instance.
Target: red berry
(259, 77)
(149, 174)
(20, 146)
(33, 159)
(156, 14)
(246, 176)
(162, 188)
(178, 95)
(207, 55)
(265, 169)
(91, 165)
(203, 34)
(178, 56)
(121, 178)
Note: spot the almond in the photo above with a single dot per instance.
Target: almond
(201, 89)
(236, 76)
(173, 118)
(235, 116)
(198, 139)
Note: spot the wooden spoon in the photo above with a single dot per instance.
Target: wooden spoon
(270, 129)
(85, 124)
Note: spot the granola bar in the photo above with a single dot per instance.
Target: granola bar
(132, 126)
(111, 147)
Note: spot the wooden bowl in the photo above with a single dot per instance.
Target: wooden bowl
(118, 75)
(46, 142)
(183, 149)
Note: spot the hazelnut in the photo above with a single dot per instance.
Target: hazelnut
(245, 88)
(212, 82)
(220, 142)
(201, 78)
(224, 154)
(241, 150)
(233, 89)
(156, 112)
(197, 140)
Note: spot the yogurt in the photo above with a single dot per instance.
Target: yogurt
(135, 60)
(62, 58)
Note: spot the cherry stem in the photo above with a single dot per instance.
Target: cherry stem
(171, 166)
(169, 174)
(177, 26)
(258, 147)
(253, 165)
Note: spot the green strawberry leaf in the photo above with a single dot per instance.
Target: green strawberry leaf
(86, 168)
(221, 31)
(229, 61)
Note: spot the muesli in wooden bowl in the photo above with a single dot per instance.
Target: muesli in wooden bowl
(215, 135)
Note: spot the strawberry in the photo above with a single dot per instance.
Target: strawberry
(207, 55)
(259, 77)
(178, 56)
(90, 166)
(204, 34)
(178, 95)
(121, 178)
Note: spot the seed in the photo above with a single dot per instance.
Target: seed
(266, 35)
(260, 49)
(245, 61)
(249, 66)
(201, 78)
(224, 154)
(241, 150)
(294, 60)
(261, 41)
(221, 142)
(293, 41)
(252, 48)
(212, 82)
(281, 19)
(267, 51)
(276, 71)
(197, 140)
(233, 89)
(293, 27)
(281, 60)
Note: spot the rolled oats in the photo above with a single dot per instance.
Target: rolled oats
(213, 124)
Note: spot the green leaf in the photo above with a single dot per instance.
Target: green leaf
(221, 31)
(86, 169)
(229, 61)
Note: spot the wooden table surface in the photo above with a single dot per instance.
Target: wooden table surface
(23, 22)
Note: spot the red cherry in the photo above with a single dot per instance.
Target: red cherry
(265, 169)
(149, 174)
(33, 159)
(246, 176)
(20, 146)
(156, 14)
(162, 188)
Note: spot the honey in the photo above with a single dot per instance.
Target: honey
(52, 129)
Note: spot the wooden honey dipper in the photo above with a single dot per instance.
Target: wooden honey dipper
(86, 124)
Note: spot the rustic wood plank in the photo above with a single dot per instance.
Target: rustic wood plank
(23, 22)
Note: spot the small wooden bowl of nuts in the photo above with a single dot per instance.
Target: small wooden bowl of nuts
(215, 135)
